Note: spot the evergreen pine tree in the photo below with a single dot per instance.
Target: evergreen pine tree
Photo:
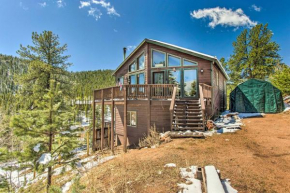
(255, 54)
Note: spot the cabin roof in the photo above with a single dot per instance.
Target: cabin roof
(177, 48)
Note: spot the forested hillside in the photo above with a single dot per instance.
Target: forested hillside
(10, 68)
(86, 81)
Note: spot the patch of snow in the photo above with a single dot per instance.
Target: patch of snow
(45, 158)
(37, 147)
(73, 127)
(170, 165)
(192, 185)
(65, 188)
(286, 109)
(227, 130)
(65, 132)
(227, 186)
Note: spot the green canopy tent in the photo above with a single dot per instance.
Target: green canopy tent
(256, 96)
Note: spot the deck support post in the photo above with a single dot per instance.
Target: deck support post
(112, 122)
(94, 123)
(125, 120)
(148, 90)
(103, 121)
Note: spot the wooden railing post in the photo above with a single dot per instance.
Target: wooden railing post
(125, 120)
(202, 102)
(103, 121)
(148, 91)
(172, 106)
(94, 123)
(112, 122)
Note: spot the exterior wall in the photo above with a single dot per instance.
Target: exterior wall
(160, 117)
(219, 90)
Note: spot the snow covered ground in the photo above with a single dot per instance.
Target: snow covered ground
(18, 178)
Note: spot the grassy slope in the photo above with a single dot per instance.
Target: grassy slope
(256, 159)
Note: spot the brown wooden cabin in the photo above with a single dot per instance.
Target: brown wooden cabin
(171, 87)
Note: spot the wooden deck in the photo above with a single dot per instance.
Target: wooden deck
(133, 93)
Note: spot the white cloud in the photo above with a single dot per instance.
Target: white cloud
(43, 4)
(224, 17)
(95, 12)
(112, 11)
(60, 3)
(84, 4)
(23, 6)
(130, 48)
(256, 8)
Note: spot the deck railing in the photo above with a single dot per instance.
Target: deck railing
(137, 91)
(206, 90)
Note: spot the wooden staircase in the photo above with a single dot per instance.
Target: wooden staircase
(187, 115)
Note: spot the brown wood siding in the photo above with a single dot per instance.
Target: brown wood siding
(160, 117)
(219, 95)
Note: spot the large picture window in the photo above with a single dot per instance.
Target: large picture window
(189, 63)
(132, 67)
(158, 59)
(132, 79)
(131, 118)
(173, 61)
(141, 62)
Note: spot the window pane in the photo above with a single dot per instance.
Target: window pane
(132, 67)
(133, 118)
(122, 80)
(141, 79)
(141, 62)
(158, 59)
(188, 63)
(173, 61)
(190, 83)
(133, 79)
(175, 78)
(158, 78)
(128, 118)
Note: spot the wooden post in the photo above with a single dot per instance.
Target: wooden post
(125, 120)
(112, 121)
(148, 90)
(103, 121)
(88, 142)
(94, 123)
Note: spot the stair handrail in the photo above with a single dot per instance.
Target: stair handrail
(172, 105)
(202, 104)
(201, 98)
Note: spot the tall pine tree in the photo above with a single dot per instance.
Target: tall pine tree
(255, 54)
(44, 96)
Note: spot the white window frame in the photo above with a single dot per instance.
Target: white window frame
(130, 117)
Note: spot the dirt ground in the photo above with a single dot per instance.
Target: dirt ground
(256, 159)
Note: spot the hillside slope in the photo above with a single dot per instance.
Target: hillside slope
(256, 159)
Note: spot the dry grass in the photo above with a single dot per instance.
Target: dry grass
(256, 159)
(153, 138)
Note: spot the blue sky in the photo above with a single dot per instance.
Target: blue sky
(97, 30)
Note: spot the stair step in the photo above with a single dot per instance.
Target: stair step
(193, 113)
(188, 116)
(187, 120)
(187, 124)
(177, 109)
(187, 128)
